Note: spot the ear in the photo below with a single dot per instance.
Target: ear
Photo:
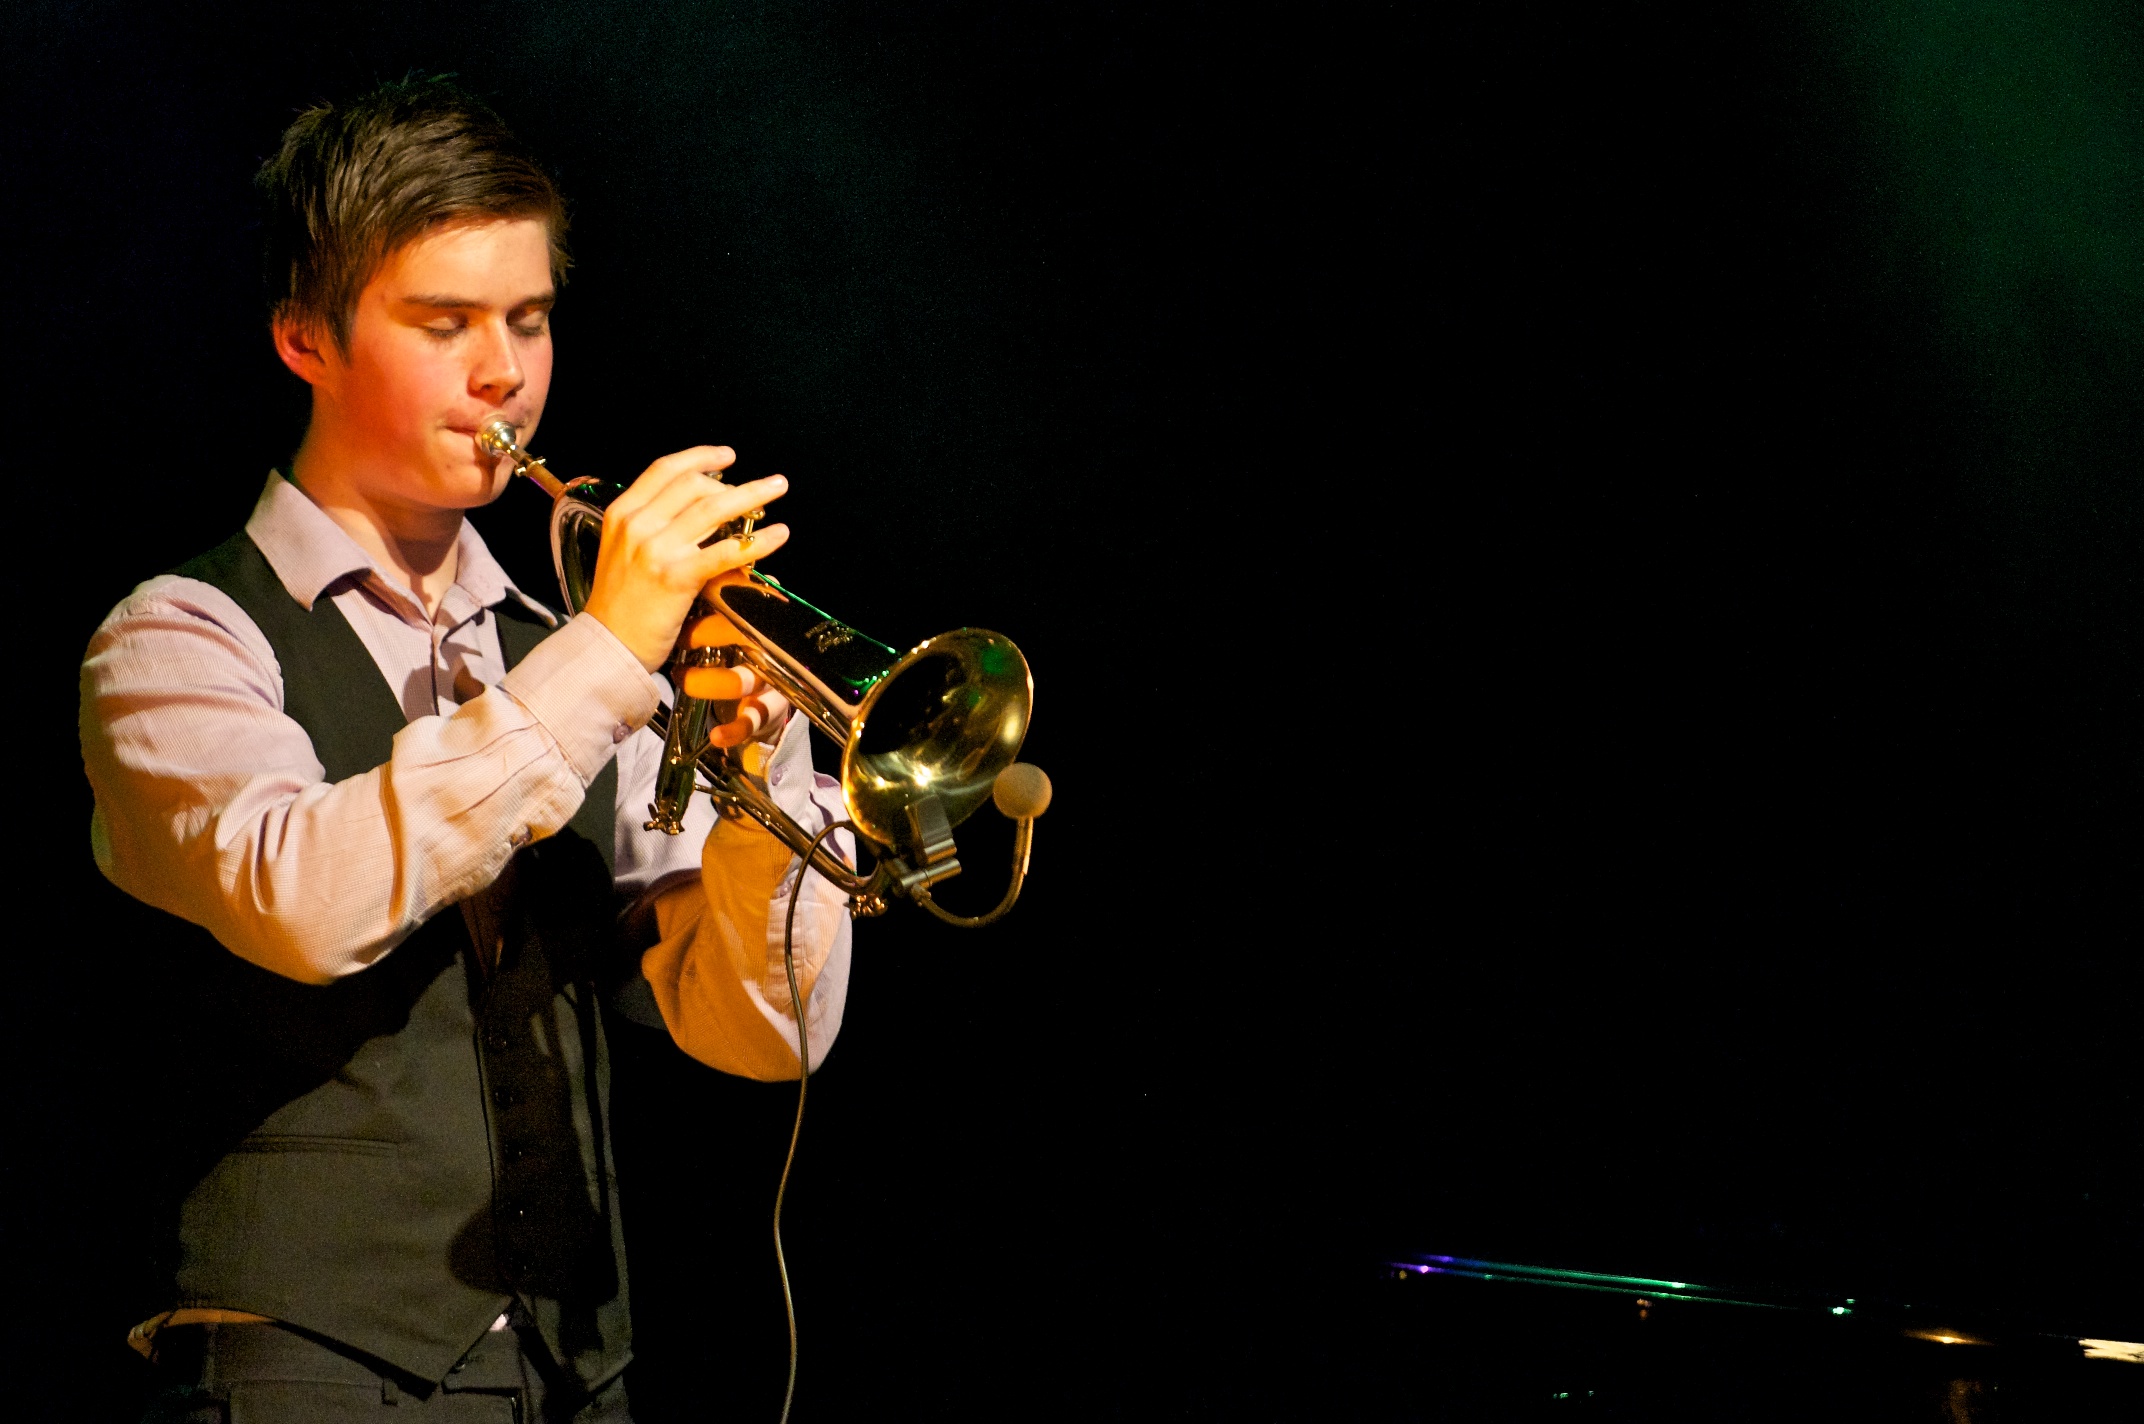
(302, 345)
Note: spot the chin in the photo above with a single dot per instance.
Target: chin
(465, 479)
(488, 488)
(467, 486)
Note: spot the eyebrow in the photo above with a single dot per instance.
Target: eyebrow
(545, 300)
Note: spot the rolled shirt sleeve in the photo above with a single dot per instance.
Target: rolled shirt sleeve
(718, 970)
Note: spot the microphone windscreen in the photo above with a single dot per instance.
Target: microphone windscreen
(1021, 791)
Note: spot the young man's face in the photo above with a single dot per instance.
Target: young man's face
(452, 331)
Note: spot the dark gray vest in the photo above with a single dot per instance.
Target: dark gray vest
(392, 1159)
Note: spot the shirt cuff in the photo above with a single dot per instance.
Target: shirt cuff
(586, 690)
(789, 771)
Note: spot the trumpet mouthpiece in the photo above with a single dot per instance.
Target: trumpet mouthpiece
(496, 438)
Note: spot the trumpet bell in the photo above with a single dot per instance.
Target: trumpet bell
(940, 720)
(944, 721)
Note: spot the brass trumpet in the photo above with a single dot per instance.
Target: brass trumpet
(926, 735)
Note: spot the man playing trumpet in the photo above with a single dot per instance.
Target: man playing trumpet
(405, 800)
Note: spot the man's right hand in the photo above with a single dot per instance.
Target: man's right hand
(651, 567)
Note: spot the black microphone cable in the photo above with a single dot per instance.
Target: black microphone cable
(797, 1004)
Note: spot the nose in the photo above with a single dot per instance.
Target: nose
(495, 371)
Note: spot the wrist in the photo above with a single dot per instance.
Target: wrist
(586, 688)
(632, 639)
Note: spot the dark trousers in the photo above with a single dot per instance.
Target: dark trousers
(264, 1374)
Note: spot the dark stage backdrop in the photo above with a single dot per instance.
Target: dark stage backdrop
(1581, 563)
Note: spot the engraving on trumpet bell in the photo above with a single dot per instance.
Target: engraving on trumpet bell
(829, 635)
(847, 661)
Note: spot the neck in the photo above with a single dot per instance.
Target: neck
(414, 544)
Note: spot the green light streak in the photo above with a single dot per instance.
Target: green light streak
(1556, 1273)
(1599, 1288)
(1600, 1283)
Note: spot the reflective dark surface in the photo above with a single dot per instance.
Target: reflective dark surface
(1443, 1347)
(845, 661)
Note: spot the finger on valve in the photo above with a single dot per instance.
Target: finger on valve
(713, 631)
(721, 684)
(750, 721)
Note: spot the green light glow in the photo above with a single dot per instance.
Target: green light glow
(2007, 141)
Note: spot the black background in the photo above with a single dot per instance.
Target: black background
(1593, 696)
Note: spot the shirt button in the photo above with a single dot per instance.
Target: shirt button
(619, 733)
(519, 838)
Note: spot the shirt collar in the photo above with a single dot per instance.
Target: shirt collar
(309, 552)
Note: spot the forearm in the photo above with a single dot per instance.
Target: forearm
(717, 970)
(210, 802)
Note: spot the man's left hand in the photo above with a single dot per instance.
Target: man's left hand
(762, 711)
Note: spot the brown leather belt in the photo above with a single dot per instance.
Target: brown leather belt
(143, 1336)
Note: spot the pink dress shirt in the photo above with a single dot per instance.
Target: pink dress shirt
(210, 803)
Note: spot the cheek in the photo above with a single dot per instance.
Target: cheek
(536, 375)
(406, 385)
(427, 383)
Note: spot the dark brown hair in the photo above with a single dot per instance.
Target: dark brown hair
(351, 184)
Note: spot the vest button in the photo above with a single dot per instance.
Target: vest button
(519, 838)
(619, 733)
